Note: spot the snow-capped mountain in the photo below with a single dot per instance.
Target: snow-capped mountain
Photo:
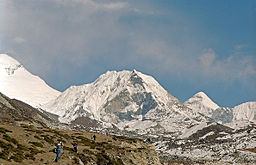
(245, 111)
(129, 99)
(202, 104)
(16, 82)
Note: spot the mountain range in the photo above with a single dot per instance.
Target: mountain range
(133, 104)
(128, 100)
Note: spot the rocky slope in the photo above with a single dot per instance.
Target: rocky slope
(211, 142)
(27, 144)
(16, 82)
(15, 111)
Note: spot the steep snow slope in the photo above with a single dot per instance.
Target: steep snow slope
(201, 103)
(245, 111)
(126, 99)
(16, 82)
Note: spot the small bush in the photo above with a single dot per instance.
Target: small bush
(76, 161)
(66, 136)
(37, 144)
(17, 157)
(101, 160)
(3, 130)
(4, 155)
(116, 162)
(33, 152)
(84, 158)
(22, 147)
(88, 152)
(48, 139)
(10, 139)
(6, 146)
(37, 137)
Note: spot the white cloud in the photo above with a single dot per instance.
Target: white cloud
(207, 59)
(105, 5)
(114, 6)
(235, 66)
(19, 40)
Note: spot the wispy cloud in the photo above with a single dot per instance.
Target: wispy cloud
(19, 40)
(235, 66)
(57, 33)
(207, 59)
(105, 5)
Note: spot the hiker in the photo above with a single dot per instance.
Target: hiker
(93, 137)
(75, 147)
(57, 151)
(61, 147)
(147, 140)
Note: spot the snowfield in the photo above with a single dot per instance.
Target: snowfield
(16, 82)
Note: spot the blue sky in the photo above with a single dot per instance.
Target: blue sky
(187, 46)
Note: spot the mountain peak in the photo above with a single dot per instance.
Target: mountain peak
(202, 99)
(245, 111)
(201, 94)
(8, 60)
(124, 98)
(8, 65)
(16, 82)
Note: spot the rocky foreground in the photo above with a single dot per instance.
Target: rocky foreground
(26, 144)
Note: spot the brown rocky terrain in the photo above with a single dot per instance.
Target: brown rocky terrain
(27, 144)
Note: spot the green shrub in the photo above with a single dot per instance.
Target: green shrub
(88, 152)
(10, 139)
(66, 136)
(84, 158)
(17, 157)
(22, 147)
(76, 161)
(3, 130)
(37, 144)
(37, 137)
(101, 160)
(33, 152)
(48, 139)
(4, 155)
(6, 146)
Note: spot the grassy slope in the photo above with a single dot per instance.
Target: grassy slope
(31, 145)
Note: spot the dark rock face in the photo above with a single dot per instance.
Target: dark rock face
(119, 102)
(145, 102)
(216, 128)
(222, 115)
(136, 80)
